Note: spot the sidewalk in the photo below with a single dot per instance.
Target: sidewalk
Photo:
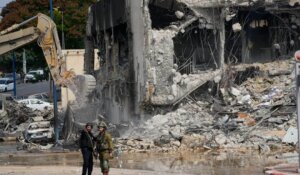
(69, 170)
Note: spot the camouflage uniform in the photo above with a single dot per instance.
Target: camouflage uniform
(104, 147)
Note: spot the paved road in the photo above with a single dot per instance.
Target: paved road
(71, 170)
(31, 88)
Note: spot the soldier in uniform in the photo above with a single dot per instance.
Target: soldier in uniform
(87, 144)
(104, 147)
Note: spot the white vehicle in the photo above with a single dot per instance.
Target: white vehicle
(39, 131)
(35, 76)
(40, 96)
(36, 104)
(38, 71)
(6, 85)
(10, 76)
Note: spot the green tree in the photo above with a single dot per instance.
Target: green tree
(74, 13)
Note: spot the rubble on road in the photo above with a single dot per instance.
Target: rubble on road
(253, 107)
(32, 128)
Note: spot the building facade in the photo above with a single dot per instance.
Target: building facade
(156, 52)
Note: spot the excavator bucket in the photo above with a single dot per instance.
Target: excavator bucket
(86, 83)
(78, 114)
(82, 86)
(47, 38)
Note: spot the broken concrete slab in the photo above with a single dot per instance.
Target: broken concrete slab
(169, 68)
(236, 27)
(196, 117)
(195, 81)
(291, 136)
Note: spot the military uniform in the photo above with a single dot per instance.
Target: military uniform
(104, 147)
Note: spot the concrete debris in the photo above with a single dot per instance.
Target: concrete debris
(291, 136)
(293, 2)
(30, 146)
(31, 127)
(219, 96)
(236, 27)
(235, 91)
(39, 131)
(238, 116)
(229, 17)
(277, 46)
(179, 14)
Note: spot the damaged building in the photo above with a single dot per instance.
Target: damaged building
(156, 52)
(267, 33)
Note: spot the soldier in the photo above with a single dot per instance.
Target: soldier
(104, 147)
(87, 144)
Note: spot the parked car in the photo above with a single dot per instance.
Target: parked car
(10, 76)
(35, 76)
(40, 96)
(36, 104)
(6, 85)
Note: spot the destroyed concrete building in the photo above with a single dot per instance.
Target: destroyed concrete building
(156, 52)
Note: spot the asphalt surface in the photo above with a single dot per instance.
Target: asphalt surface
(26, 89)
(72, 170)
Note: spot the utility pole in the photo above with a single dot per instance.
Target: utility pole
(297, 76)
(62, 9)
(24, 62)
(56, 124)
(14, 73)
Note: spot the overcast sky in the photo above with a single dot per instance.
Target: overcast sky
(3, 3)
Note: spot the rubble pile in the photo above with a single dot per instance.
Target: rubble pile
(252, 109)
(274, 86)
(16, 117)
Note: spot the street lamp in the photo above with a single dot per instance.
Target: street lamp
(14, 73)
(62, 10)
(54, 92)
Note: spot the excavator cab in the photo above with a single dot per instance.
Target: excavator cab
(45, 33)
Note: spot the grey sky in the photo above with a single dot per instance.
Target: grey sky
(3, 3)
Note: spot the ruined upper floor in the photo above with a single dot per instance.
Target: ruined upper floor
(227, 3)
(159, 51)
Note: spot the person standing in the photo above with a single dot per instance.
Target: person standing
(87, 144)
(104, 147)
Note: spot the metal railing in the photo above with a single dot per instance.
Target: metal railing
(186, 67)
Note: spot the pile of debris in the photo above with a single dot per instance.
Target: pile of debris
(30, 127)
(253, 107)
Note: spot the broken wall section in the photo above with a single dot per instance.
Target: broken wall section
(216, 3)
(118, 35)
(265, 34)
(198, 46)
(237, 3)
(184, 55)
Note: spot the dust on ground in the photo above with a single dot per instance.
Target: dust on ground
(68, 170)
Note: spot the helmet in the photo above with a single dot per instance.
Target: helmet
(102, 125)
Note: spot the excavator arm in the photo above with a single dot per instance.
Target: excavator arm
(45, 33)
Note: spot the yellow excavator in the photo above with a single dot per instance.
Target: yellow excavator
(45, 33)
